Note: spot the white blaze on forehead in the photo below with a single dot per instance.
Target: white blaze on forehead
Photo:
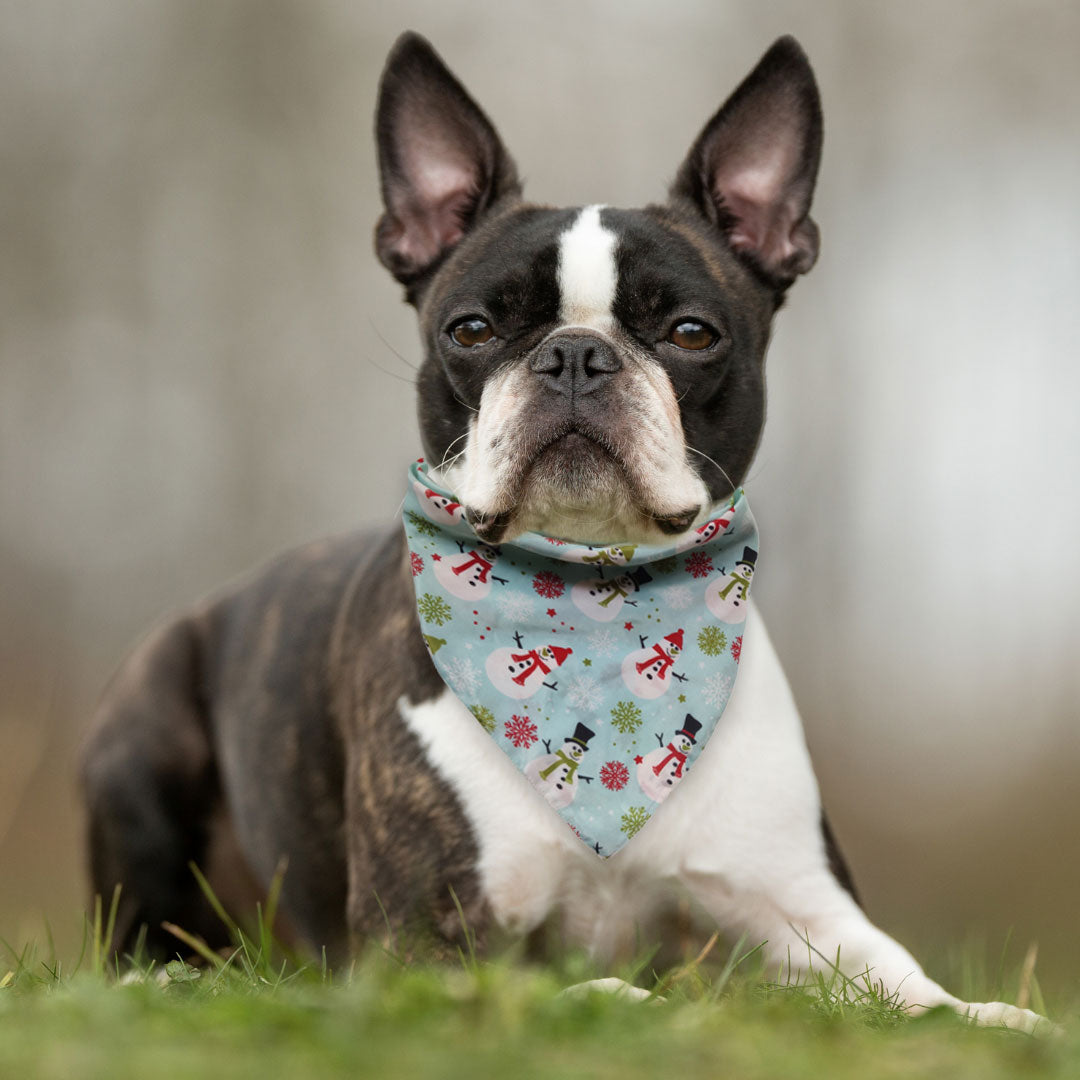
(587, 272)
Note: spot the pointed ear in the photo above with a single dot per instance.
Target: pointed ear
(753, 167)
(440, 160)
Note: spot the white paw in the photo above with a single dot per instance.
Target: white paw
(998, 1014)
(606, 986)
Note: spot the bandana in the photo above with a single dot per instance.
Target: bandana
(599, 671)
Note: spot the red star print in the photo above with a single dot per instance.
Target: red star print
(436, 558)
(637, 760)
(551, 612)
(628, 626)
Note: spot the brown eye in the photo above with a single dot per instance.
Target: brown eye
(471, 331)
(692, 335)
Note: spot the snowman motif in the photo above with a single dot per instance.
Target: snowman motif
(555, 775)
(706, 533)
(434, 644)
(519, 673)
(616, 555)
(601, 600)
(727, 597)
(660, 770)
(649, 672)
(468, 576)
(436, 507)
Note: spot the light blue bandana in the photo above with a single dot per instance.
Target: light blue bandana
(600, 672)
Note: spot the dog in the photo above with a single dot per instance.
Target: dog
(590, 373)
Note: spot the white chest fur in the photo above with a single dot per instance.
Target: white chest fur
(741, 835)
(751, 790)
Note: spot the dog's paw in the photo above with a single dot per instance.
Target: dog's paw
(998, 1014)
(618, 987)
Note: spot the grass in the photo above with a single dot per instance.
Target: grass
(258, 1012)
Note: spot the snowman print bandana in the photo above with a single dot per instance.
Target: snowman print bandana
(599, 671)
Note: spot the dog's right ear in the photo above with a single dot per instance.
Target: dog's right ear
(441, 163)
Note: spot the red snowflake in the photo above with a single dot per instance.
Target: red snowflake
(416, 563)
(548, 584)
(614, 775)
(699, 564)
(628, 626)
(552, 540)
(736, 648)
(521, 731)
(551, 612)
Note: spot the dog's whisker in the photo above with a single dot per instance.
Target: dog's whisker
(386, 371)
(443, 464)
(379, 335)
(714, 462)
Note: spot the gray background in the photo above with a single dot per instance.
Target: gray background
(201, 363)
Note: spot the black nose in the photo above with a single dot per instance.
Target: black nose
(575, 364)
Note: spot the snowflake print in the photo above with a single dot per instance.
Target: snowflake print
(712, 641)
(584, 693)
(434, 609)
(626, 716)
(521, 731)
(416, 564)
(717, 690)
(736, 648)
(679, 597)
(557, 543)
(614, 775)
(632, 820)
(484, 717)
(421, 524)
(603, 643)
(548, 584)
(699, 564)
(514, 607)
(462, 675)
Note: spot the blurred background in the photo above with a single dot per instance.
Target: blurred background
(201, 363)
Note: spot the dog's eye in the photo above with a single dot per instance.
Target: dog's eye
(471, 331)
(691, 335)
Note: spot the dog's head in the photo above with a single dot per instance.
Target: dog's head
(594, 373)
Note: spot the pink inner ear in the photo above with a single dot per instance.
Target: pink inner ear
(755, 186)
(441, 184)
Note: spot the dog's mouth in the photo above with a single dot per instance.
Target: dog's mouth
(576, 485)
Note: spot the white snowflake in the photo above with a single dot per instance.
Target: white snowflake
(462, 676)
(717, 689)
(678, 597)
(514, 606)
(603, 643)
(584, 693)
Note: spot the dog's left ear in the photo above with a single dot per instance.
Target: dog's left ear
(440, 160)
(752, 169)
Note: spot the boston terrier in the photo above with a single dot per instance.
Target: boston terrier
(590, 373)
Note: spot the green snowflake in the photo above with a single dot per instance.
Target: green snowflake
(712, 641)
(668, 565)
(485, 717)
(434, 609)
(626, 716)
(632, 820)
(422, 525)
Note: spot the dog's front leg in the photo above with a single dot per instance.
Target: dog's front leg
(744, 836)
